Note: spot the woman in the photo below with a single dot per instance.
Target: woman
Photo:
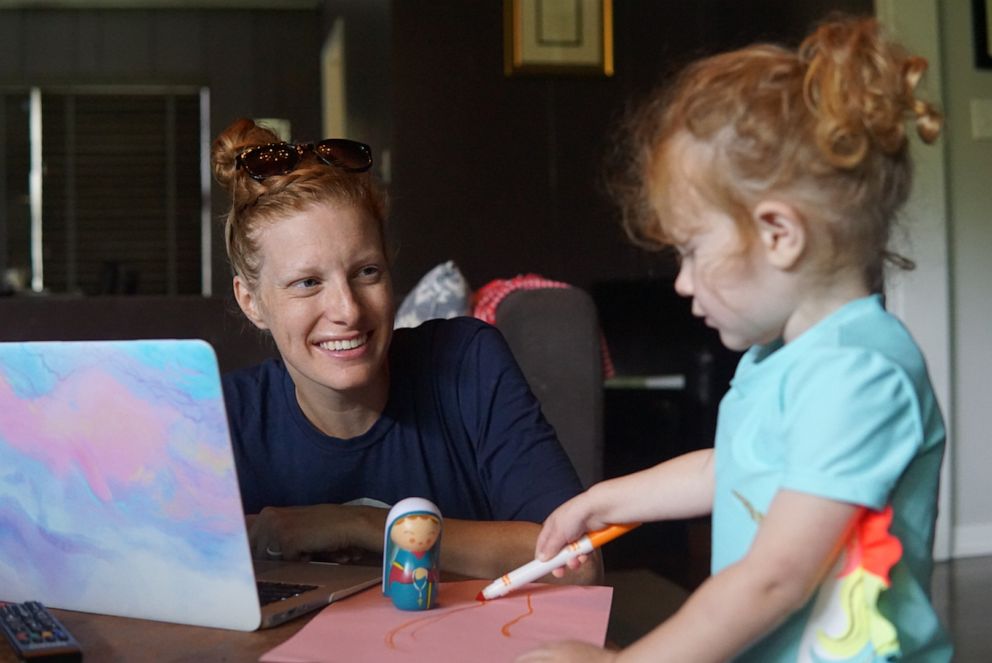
(354, 417)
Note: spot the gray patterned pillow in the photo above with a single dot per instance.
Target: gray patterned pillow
(443, 292)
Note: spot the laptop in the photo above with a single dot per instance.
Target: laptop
(119, 496)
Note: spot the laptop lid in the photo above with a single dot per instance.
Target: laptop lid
(118, 491)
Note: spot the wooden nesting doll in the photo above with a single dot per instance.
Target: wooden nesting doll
(410, 568)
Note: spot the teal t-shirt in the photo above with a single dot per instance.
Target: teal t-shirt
(845, 412)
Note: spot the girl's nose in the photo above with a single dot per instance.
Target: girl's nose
(683, 282)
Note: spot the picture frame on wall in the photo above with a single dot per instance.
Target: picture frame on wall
(981, 16)
(558, 37)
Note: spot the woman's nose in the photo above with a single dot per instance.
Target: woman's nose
(341, 306)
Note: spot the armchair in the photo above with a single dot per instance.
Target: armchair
(555, 337)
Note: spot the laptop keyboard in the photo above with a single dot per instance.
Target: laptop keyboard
(270, 592)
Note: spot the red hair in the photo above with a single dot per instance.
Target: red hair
(823, 126)
(255, 204)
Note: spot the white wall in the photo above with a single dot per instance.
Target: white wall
(945, 302)
(922, 297)
(969, 186)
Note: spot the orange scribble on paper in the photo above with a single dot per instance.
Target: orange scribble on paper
(506, 627)
(427, 620)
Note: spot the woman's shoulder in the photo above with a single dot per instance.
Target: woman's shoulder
(450, 346)
(446, 333)
(253, 381)
(458, 325)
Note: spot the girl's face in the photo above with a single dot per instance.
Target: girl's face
(732, 288)
(325, 294)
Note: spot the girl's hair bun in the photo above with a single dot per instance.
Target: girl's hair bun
(928, 119)
(862, 90)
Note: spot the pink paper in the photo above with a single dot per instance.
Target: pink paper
(366, 627)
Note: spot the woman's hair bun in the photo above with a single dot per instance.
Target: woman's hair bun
(239, 136)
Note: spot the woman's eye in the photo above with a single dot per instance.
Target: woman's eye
(369, 272)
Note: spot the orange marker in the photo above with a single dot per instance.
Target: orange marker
(531, 571)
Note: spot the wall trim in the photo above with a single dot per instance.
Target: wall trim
(972, 540)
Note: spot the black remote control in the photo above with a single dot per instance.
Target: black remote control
(35, 633)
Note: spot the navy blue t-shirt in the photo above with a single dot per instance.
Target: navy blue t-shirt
(461, 428)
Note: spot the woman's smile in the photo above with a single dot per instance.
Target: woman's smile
(343, 345)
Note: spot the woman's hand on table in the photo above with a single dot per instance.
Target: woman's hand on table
(338, 533)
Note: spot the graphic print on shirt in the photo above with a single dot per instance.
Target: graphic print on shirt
(845, 623)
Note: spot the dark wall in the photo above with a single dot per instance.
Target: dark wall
(256, 63)
(366, 28)
(66, 318)
(500, 174)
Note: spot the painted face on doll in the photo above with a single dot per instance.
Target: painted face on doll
(415, 533)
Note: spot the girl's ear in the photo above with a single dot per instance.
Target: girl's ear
(248, 302)
(781, 231)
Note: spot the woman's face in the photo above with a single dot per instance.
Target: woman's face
(325, 294)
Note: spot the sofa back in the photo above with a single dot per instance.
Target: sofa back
(555, 336)
(214, 319)
(553, 333)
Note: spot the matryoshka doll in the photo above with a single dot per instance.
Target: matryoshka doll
(410, 554)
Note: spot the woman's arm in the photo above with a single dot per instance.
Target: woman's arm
(477, 549)
(298, 532)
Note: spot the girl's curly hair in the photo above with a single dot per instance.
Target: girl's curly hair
(823, 125)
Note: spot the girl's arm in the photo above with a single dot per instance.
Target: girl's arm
(678, 488)
(796, 544)
(484, 549)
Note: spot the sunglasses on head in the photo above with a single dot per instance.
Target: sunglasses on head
(280, 158)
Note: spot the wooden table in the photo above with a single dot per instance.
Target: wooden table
(106, 639)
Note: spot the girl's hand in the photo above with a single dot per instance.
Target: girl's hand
(570, 652)
(566, 524)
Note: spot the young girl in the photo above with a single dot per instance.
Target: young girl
(777, 176)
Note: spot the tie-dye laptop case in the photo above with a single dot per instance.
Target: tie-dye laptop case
(118, 492)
